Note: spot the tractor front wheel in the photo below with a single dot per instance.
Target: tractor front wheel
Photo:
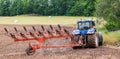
(76, 41)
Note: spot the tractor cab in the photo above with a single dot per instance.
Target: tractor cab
(85, 24)
(85, 27)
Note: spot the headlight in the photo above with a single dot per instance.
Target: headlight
(91, 31)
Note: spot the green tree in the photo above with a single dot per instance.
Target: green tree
(58, 7)
(69, 5)
(83, 8)
(26, 7)
(4, 7)
(78, 8)
(109, 11)
(89, 8)
(31, 6)
(17, 7)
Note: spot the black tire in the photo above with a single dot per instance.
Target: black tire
(92, 41)
(100, 37)
(30, 51)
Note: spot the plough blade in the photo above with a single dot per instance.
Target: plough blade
(42, 28)
(33, 28)
(16, 29)
(51, 27)
(6, 30)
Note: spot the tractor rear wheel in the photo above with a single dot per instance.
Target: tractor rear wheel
(100, 37)
(93, 41)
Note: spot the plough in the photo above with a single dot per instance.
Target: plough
(42, 36)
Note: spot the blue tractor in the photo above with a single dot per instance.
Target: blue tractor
(87, 33)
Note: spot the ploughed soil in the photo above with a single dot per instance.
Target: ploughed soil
(16, 50)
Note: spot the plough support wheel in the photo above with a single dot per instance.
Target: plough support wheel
(30, 51)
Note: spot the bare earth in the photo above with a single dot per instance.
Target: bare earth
(16, 50)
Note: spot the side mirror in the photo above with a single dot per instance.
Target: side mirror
(94, 26)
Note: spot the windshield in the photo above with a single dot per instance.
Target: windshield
(84, 25)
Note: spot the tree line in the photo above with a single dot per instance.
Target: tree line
(47, 7)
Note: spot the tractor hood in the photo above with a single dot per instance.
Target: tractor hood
(81, 32)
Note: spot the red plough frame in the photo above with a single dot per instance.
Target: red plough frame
(41, 37)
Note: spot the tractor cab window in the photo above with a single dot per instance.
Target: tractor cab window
(85, 25)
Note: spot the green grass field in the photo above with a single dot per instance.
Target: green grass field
(112, 37)
(40, 20)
